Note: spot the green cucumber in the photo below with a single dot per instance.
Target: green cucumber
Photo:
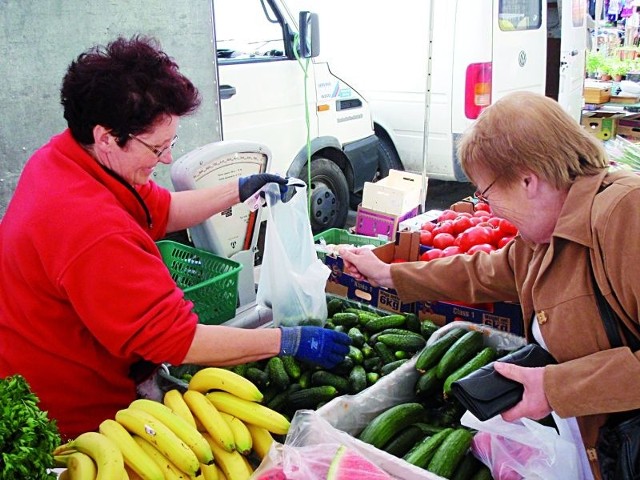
(485, 356)
(404, 441)
(427, 383)
(356, 355)
(400, 331)
(277, 374)
(257, 376)
(459, 353)
(410, 343)
(450, 452)
(305, 379)
(420, 455)
(279, 402)
(384, 352)
(391, 366)
(388, 321)
(483, 473)
(372, 364)
(291, 366)
(431, 354)
(344, 367)
(335, 305)
(412, 322)
(372, 377)
(428, 328)
(311, 397)
(467, 467)
(322, 377)
(345, 319)
(387, 424)
(357, 379)
(357, 337)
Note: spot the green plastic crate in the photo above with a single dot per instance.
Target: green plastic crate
(208, 280)
(337, 236)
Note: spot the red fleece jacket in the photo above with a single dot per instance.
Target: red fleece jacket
(84, 293)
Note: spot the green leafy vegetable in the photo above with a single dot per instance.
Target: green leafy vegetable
(27, 435)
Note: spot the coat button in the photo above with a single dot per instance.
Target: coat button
(542, 317)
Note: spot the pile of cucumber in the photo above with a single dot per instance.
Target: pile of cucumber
(427, 432)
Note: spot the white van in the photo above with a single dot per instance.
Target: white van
(262, 92)
(448, 59)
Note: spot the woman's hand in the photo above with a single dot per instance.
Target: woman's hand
(362, 264)
(534, 403)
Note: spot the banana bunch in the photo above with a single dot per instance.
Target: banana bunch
(206, 433)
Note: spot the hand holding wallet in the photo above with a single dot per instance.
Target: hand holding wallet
(486, 393)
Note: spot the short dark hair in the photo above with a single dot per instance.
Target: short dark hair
(125, 87)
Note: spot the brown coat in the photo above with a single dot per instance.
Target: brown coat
(552, 282)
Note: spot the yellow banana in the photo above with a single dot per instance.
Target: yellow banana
(171, 472)
(173, 399)
(213, 378)
(221, 475)
(134, 456)
(231, 463)
(186, 432)
(211, 419)
(262, 439)
(106, 454)
(80, 466)
(250, 412)
(241, 435)
(162, 437)
(209, 472)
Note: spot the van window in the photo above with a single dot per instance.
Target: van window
(247, 31)
(514, 15)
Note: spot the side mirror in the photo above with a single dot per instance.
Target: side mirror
(309, 35)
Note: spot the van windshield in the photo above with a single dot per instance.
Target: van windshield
(520, 15)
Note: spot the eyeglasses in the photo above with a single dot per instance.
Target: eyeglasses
(158, 152)
(481, 195)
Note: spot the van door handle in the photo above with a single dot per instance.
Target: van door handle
(227, 91)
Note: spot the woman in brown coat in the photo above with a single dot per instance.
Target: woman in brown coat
(540, 170)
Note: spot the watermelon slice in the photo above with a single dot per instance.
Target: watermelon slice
(350, 465)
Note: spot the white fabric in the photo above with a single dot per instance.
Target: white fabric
(570, 422)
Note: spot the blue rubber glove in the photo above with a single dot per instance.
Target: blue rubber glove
(317, 345)
(247, 186)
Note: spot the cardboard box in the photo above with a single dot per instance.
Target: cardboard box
(413, 224)
(344, 285)
(596, 92)
(372, 223)
(503, 316)
(629, 127)
(396, 194)
(603, 125)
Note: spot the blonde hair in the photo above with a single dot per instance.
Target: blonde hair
(528, 132)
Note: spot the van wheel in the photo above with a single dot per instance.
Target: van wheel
(388, 159)
(329, 196)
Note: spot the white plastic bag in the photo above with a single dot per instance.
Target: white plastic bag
(524, 449)
(292, 278)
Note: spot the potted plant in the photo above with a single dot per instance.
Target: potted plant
(594, 64)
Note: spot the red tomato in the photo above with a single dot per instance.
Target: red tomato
(507, 228)
(431, 254)
(451, 250)
(426, 238)
(428, 226)
(460, 224)
(475, 220)
(464, 214)
(481, 247)
(494, 222)
(447, 215)
(484, 216)
(482, 206)
(474, 236)
(443, 227)
(443, 240)
(503, 241)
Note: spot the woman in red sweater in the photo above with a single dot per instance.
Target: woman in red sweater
(84, 293)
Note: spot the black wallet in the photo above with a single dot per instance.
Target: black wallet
(486, 393)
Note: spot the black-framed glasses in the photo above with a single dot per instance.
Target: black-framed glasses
(482, 195)
(158, 152)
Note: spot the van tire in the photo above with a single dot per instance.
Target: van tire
(388, 159)
(329, 196)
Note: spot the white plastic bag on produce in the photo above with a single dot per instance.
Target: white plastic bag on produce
(292, 278)
(314, 450)
(524, 449)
